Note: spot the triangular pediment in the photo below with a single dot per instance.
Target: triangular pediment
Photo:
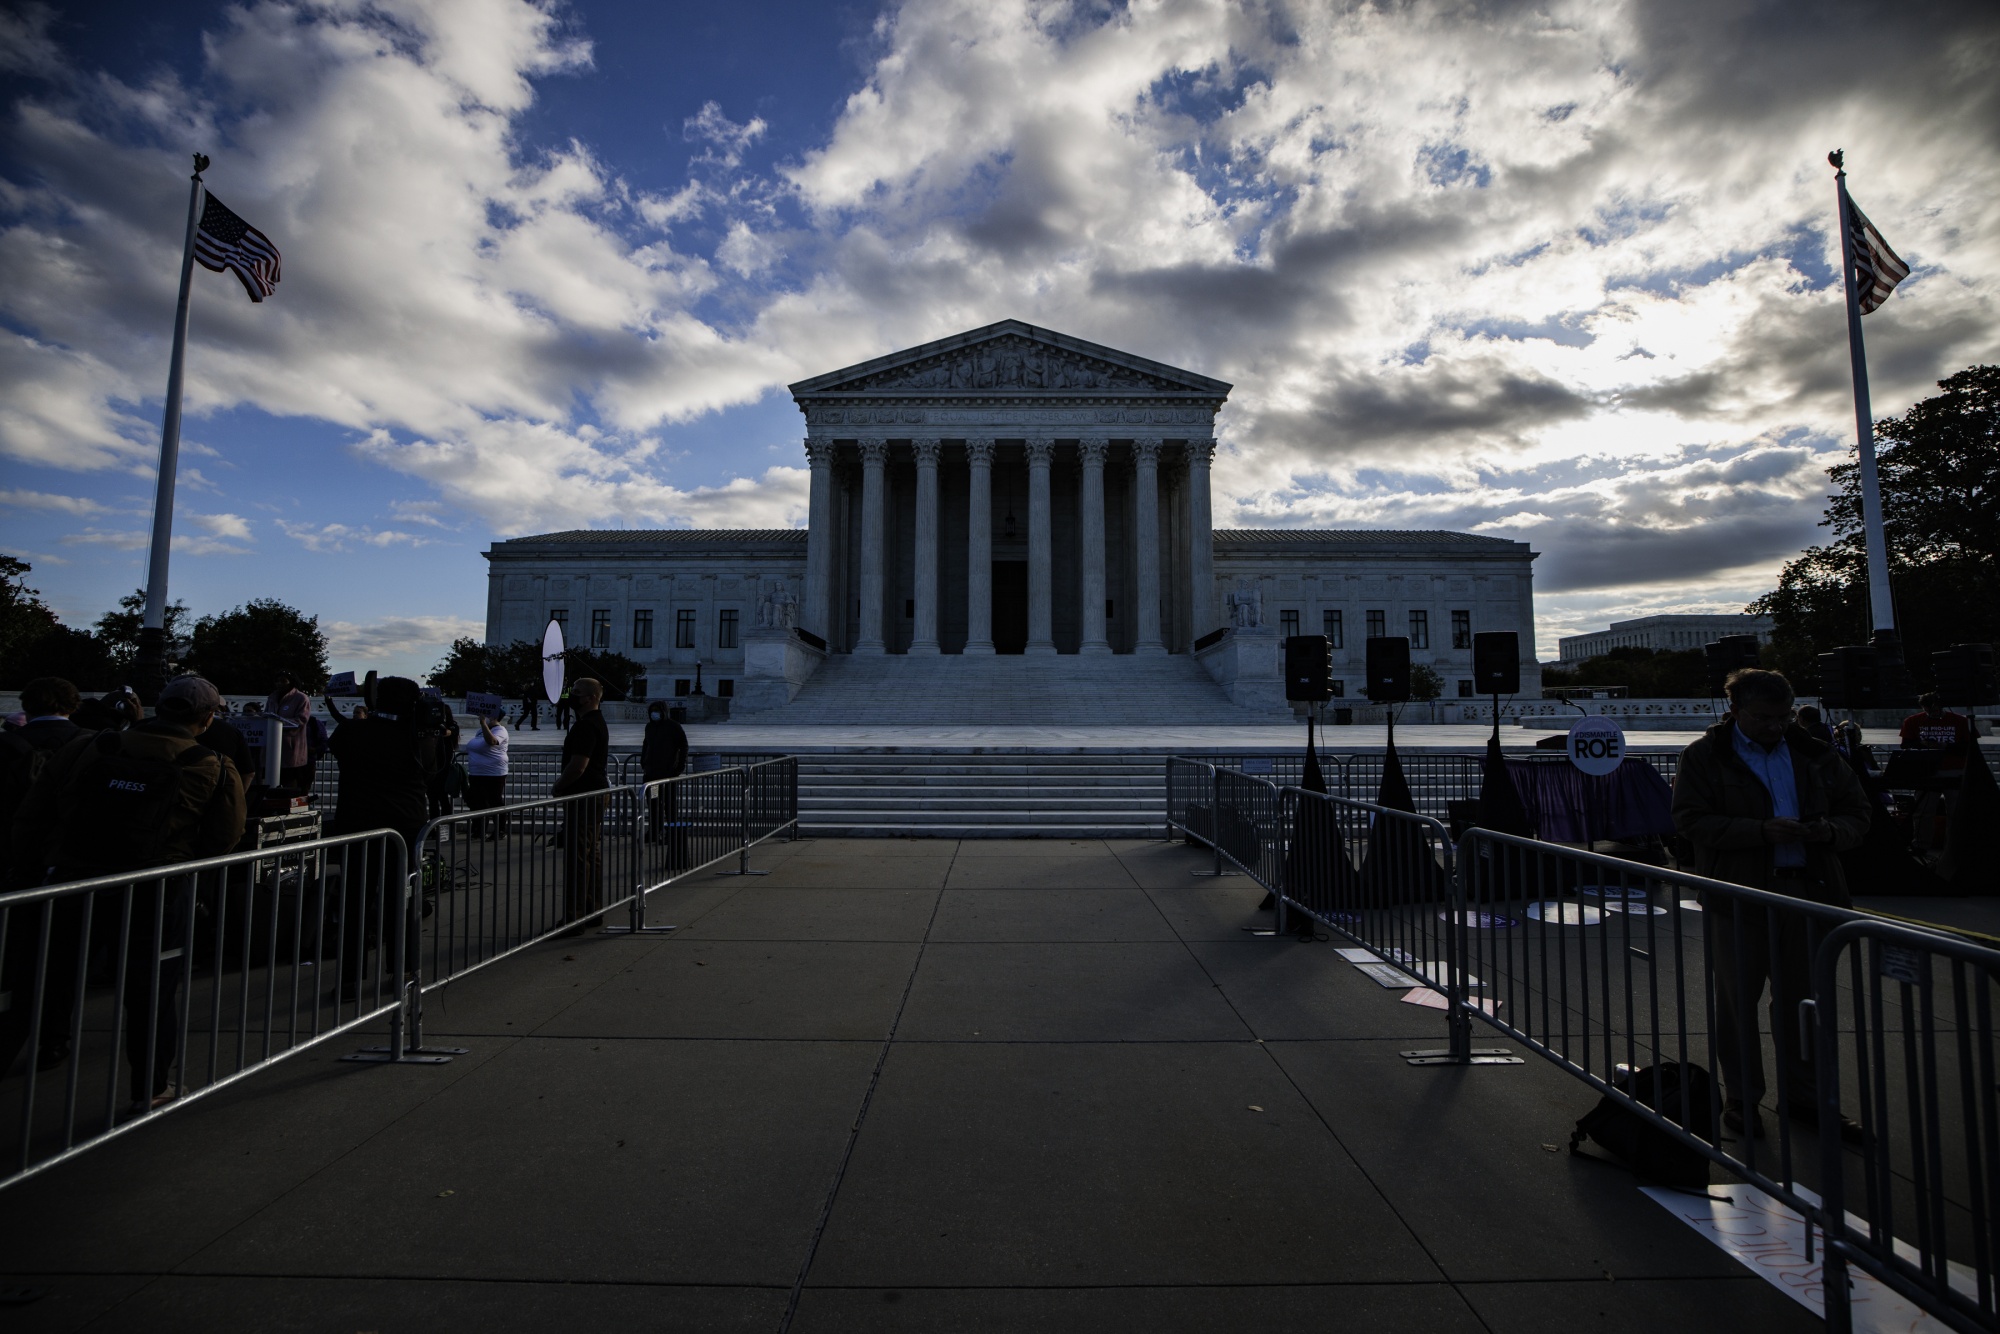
(1009, 358)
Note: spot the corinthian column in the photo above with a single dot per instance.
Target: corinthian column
(1091, 454)
(1201, 539)
(874, 460)
(1146, 512)
(925, 637)
(1041, 603)
(818, 615)
(979, 548)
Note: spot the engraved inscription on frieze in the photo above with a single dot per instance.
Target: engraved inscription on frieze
(1011, 363)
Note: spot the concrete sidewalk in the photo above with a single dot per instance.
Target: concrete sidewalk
(895, 1085)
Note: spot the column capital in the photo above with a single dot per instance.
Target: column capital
(926, 450)
(1092, 451)
(1147, 449)
(819, 453)
(874, 449)
(1200, 453)
(979, 453)
(1040, 451)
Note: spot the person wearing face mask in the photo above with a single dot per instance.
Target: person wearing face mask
(1766, 805)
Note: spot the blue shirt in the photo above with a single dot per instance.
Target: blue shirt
(1773, 768)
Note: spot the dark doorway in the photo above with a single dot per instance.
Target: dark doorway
(1010, 606)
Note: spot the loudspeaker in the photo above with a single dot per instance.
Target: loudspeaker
(1728, 654)
(1847, 678)
(1308, 668)
(1964, 674)
(1388, 668)
(1496, 662)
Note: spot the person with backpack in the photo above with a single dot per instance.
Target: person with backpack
(662, 754)
(25, 752)
(382, 786)
(586, 757)
(121, 803)
(1767, 806)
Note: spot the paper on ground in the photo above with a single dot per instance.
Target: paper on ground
(1359, 956)
(1769, 1239)
(1436, 1000)
(1387, 975)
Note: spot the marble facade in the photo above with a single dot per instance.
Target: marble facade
(1006, 491)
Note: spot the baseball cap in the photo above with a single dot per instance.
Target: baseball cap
(186, 696)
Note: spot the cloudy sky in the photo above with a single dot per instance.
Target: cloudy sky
(1564, 271)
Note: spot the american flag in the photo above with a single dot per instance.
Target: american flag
(226, 242)
(1877, 269)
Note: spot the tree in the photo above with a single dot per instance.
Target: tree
(1425, 683)
(23, 616)
(615, 670)
(500, 670)
(77, 656)
(242, 651)
(1939, 470)
(1644, 672)
(119, 631)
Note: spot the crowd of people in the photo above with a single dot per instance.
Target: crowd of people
(102, 787)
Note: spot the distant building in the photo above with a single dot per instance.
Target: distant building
(1662, 634)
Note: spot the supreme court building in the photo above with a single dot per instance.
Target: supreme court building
(1009, 491)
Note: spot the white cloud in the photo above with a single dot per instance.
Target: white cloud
(1558, 272)
(223, 525)
(43, 500)
(327, 537)
(400, 636)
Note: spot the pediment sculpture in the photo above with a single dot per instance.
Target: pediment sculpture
(1009, 363)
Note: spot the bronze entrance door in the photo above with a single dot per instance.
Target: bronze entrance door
(1010, 606)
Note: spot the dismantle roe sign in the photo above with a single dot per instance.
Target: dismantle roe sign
(552, 660)
(1596, 745)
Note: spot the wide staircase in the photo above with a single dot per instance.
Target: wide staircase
(1058, 691)
(968, 792)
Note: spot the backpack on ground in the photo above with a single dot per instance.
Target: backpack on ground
(129, 810)
(1679, 1091)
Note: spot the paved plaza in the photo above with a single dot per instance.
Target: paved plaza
(894, 1085)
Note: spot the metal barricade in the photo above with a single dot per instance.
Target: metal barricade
(1913, 1012)
(135, 994)
(493, 882)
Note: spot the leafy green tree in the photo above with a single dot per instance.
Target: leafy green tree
(1645, 673)
(119, 631)
(498, 669)
(1425, 683)
(1939, 468)
(24, 618)
(615, 670)
(77, 656)
(243, 651)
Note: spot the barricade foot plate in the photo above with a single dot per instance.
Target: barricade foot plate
(1477, 1056)
(745, 871)
(637, 930)
(412, 1056)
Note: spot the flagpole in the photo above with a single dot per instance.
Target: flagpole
(151, 670)
(1881, 607)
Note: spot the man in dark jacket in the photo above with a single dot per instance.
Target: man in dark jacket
(1765, 805)
(123, 802)
(381, 787)
(663, 754)
(586, 757)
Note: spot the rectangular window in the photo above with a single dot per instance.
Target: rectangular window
(1340, 690)
(600, 628)
(1378, 624)
(684, 628)
(725, 628)
(1110, 610)
(560, 615)
(726, 688)
(642, 629)
(1461, 629)
(1420, 629)
(1465, 690)
(1329, 625)
(1288, 622)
